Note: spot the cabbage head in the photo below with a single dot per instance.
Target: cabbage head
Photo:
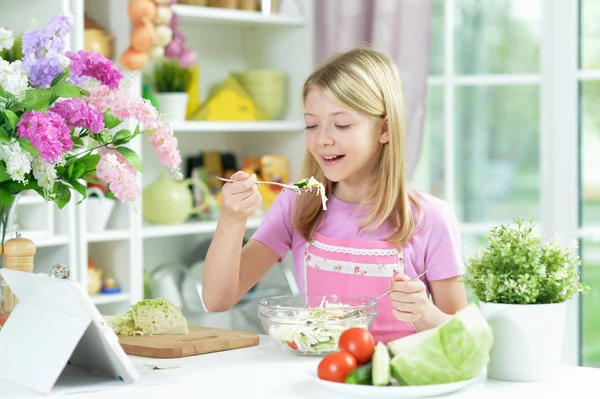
(457, 350)
(150, 317)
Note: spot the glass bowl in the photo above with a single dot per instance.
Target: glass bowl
(310, 324)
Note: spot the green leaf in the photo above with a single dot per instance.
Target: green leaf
(122, 137)
(78, 170)
(131, 157)
(3, 93)
(27, 146)
(80, 188)
(63, 195)
(91, 180)
(11, 119)
(70, 170)
(61, 77)
(77, 141)
(4, 176)
(111, 121)
(4, 137)
(37, 99)
(90, 161)
(66, 90)
(84, 92)
(5, 197)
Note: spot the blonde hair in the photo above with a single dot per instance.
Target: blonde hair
(366, 81)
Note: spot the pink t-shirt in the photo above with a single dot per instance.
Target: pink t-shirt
(435, 243)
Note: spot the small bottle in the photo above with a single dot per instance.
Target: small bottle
(19, 253)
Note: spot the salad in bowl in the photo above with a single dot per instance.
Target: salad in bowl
(313, 324)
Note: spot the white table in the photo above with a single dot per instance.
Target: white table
(265, 372)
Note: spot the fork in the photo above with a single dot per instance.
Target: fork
(290, 187)
(357, 312)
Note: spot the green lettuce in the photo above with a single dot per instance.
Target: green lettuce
(149, 317)
(457, 350)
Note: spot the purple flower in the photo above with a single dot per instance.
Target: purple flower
(97, 66)
(43, 51)
(41, 71)
(48, 133)
(78, 113)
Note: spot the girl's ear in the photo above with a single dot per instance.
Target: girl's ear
(384, 136)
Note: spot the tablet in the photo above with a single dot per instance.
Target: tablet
(55, 323)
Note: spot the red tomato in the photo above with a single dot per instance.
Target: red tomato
(359, 343)
(336, 366)
(292, 345)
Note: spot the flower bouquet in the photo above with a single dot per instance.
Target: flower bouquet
(61, 116)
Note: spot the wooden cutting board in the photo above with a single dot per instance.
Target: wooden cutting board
(200, 340)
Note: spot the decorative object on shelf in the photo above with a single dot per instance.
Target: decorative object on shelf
(96, 39)
(522, 285)
(193, 91)
(152, 32)
(62, 123)
(231, 4)
(171, 82)
(177, 48)
(200, 3)
(167, 201)
(60, 271)
(266, 87)
(229, 101)
(94, 278)
(110, 286)
(99, 209)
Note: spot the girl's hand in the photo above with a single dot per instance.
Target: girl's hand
(241, 198)
(409, 298)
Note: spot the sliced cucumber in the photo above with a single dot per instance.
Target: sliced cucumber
(361, 375)
(301, 183)
(381, 365)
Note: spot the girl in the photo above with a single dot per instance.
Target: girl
(375, 233)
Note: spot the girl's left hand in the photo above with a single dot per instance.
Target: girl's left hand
(409, 298)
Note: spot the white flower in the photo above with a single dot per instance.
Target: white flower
(18, 161)
(13, 78)
(6, 39)
(44, 173)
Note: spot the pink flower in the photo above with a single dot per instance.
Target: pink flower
(165, 144)
(120, 176)
(77, 113)
(93, 65)
(48, 133)
(123, 104)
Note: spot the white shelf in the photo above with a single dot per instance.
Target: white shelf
(47, 241)
(104, 299)
(234, 127)
(222, 16)
(108, 235)
(202, 227)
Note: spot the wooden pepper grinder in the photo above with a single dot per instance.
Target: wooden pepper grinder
(19, 253)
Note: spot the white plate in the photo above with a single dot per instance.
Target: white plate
(399, 392)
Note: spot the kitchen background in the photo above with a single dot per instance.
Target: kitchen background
(503, 122)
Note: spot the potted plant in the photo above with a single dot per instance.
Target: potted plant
(171, 82)
(522, 284)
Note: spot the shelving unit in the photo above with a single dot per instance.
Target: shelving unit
(218, 16)
(236, 127)
(226, 41)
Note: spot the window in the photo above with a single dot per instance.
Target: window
(501, 138)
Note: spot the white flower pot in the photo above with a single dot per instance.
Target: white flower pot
(173, 105)
(99, 210)
(527, 340)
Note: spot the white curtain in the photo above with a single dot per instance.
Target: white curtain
(400, 29)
